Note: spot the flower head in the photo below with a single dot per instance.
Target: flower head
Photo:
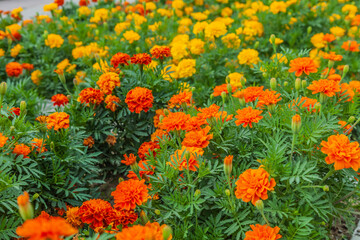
(303, 65)
(247, 116)
(174, 121)
(198, 139)
(248, 57)
(91, 95)
(3, 140)
(58, 120)
(186, 158)
(129, 160)
(160, 52)
(22, 149)
(108, 81)
(120, 59)
(54, 41)
(139, 99)
(59, 100)
(129, 194)
(111, 101)
(177, 100)
(262, 232)
(96, 213)
(327, 87)
(139, 232)
(141, 58)
(13, 69)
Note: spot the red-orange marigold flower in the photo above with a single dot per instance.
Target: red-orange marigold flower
(27, 66)
(158, 113)
(250, 94)
(129, 160)
(268, 97)
(342, 152)
(351, 46)
(3, 140)
(111, 101)
(332, 56)
(160, 52)
(328, 37)
(108, 81)
(139, 232)
(247, 116)
(199, 139)
(222, 88)
(91, 95)
(96, 213)
(305, 102)
(72, 217)
(13, 69)
(141, 58)
(139, 99)
(263, 232)
(195, 123)
(177, 100)
(186, 158)
(146, 148)
(346, 89)
(58, 120)
(59, 100)
(174, 121)
(253, 185)
(22, 149)
(89, 142)
(303, 65)
(144, 169)
(41, 229)
(124, 218)
(39, 145)
(129, 194)
(327, 87)
(120, 59)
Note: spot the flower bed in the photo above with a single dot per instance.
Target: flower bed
(180, 120)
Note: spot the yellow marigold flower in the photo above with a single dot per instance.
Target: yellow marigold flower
(196, 46)
(199, 27)
(199, 16)
(155, 26)
(102, 14)
(15, 50)
(337, 31)
(121, 27)
(40, 18)
(349, 9)
(235, 79)
(150, 6)
(231, 40)
(50, 7)
(318, 40)
(277, 41)
(169, 72)
(178, 4)
(164, 12)
(2, 52)
(186, 68)
(292, 21)
(226, 20)
(54, 41)
(138, 19)
(15, 12)
(278, 6)
(199, 2)
(280, 57)
(334, 17)
(79, 77)
(215, 29)
(131, 36)
(36, 77)
(185, 22)
(226, 12)
(84, 11)
(179, 51)
(248, 57)
(63, 64)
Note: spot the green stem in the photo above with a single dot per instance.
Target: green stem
(292, 146)
(329, 174)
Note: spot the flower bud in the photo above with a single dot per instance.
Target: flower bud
(323, 97)
(211, 96)
(286, 83)
(304, 84)
(228, 165)
(309, 29)
(137, 49)
(167, 233)
(143, 217)
(35, 196)
(135, 167)
(157, 212)
(330, 64)
(197, 193)
(12, 129)
(272, 38)
(242, 102)
(52, 146)
(256, 45)
(326, 188)
(227, 192)
(229, 88)
(22, 107)
(351, 119)
(3, 87)
(259, 204)
(296, 123)
(317, 106)
(242, 81)
(223, 96)
(273, 83)
(345, 71)
(25, 208)
(166, 112)
(271, 108)
(265, 75)
(297, 84)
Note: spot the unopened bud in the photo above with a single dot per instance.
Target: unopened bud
(309, 29)
(256, 45)
(297, 84)
(52, 146)
(330, 64)
(272, 38)
(12, 129)
(137, 49)
(296, 123)
(157, 212)
(143, 217)
(259, 204)
(304, 84)
(22, 107)
(167, 233)
(326, 188)
(323, 97)
(3, 87)
(273, 83)
(265, 75)
(35, 196)
(229, 88)
(271, 108)
(286, 83)
(223, 96)
(166, 112)
(242, 81)
(197, 193)
(351, 119)
(345, 71)
(135, 167)
(242, 102)
(25, 208)
(228, 165)
(211, 96)
(227, 192)
(317, 106)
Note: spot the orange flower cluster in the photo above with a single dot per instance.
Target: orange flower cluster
(139, 99)
(45, 228)
(265, 98)
(39, 145)
(342, 152)
(138, 232)
(22, 149)
(303, 65)
(146, 148)
(89, 142)
(111, 101)
(198, 139)
(158, 113)
(180, 99)
(247, 116)
(195, 123)
(327, 87)
(351, 46)
(346, 89)
(129, 194)
(332, 56)
(305, 102)
(97, 213)
(262, 232)
(120, 59)
(124, 218)
(141, 58)
(72, 217)
(3, 140)
(144, 170)
(13, 69)
(160, 52)
(186, 158)
(91, 95)
(58, 120)
(108, 81)
(129, 160)
(213, 112)
(253, 185)
(59, 100)
(222, 88)
(174, 121)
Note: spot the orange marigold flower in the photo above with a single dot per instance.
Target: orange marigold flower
(41, 228)
(15, 110)
(177, 100)
(89, 142)
(247, 116)
(332, 56)
(222, 88)
(209, 112)
(139, 99)
(3, 140)
(268, 97)
(129, 160)
(346, 89)
(328, 37)
(91, 95)
(345, 126)
(250, 94)
(72, 216)
(23, 199)
(198, 139)
(174, 121)
(27, 66)
(260, 232)
(120, 59)
(305, 102)
(325, 71)
(160, 52)
(21, 149)
(111, 140)
(139, 232)
(158, 113)
(58, 120)
(342, 152)
(59, 100)
(144, 170)
(41, 119)
(59, 2)
(195, 123)
(13, 69)
(146, 148)
(186, 158)
(327, 87)
(141, 58)
(334, 77)
(355, 86)
(111, 101)
(124, 218)
(253, 185)
(39, 145)
(129, 194)
(351, 46)
(96, 213)
(108, 81)
(303, 65)
(159, 133)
